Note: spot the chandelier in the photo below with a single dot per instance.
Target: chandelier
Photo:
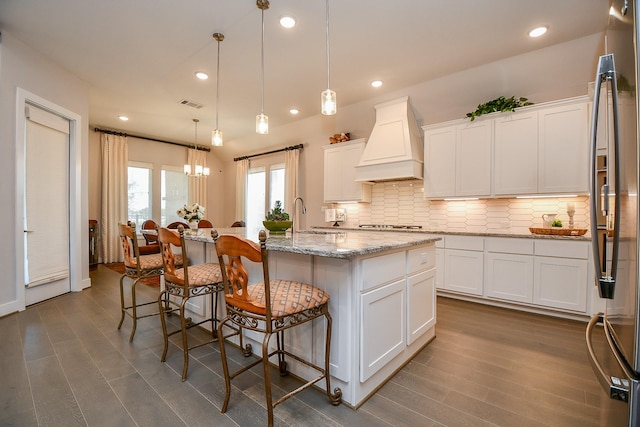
(199, 169)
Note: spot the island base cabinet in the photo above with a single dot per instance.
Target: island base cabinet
(421, 304)
(382, 335)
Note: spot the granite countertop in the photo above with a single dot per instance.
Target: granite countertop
(326, 243)
(586, 237)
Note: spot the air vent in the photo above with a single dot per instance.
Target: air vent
(192, 104)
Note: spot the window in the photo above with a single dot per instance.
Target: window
(174, 193)
(265, 185)
(139, 192)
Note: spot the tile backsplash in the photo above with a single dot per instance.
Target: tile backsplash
(402, 203)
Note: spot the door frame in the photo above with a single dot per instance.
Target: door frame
(23, 99)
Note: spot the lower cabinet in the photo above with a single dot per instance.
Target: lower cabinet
(383, 336)
(538, 273)
(464, 264)
(421, 304)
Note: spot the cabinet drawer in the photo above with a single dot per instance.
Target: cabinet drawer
(421, 259)
(382, 269)
(465, 243)
(577, 250)
(510, 246)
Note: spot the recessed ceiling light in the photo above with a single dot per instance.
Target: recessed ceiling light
(202, 76)
(287, 22)
(376, 83)
(537, 32)
(294, 111)
(123, 118)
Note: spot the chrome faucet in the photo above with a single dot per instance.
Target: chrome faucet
(293, 212)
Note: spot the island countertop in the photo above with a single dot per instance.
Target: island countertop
(325, 243)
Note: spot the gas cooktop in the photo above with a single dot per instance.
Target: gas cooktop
(389, 226)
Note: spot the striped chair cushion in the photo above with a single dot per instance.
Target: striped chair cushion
(288, 297)
(199, 275)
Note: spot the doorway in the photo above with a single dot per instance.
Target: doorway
(49, 253)
(46, 205)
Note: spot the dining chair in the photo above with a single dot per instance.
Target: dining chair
(239, 224)
(137, 266)
(205, 223)
(184, 283)
(174, 225)
(151, 239)
(271, 310)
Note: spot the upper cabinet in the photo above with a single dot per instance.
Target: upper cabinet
(458, 159)
(541, 149)
(340, 162)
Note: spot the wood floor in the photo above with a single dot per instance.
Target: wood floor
(64, 363)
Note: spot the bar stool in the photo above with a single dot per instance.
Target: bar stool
(139, 262)
(185, 283)
(270, 310)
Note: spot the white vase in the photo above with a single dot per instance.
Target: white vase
(193, 225)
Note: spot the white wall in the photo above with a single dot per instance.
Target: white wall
(541, 76)
(23, 67)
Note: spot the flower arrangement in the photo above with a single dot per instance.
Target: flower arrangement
(193, 212)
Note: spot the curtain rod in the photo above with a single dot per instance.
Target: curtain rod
(113, 132)
(292, 147)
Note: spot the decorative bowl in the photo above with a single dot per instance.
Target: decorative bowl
(277, 227)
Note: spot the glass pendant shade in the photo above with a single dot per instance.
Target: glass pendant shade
(198, 169)
(206, 171)
(328, 101)
(262, 124)
(216, 138)
(187, 169)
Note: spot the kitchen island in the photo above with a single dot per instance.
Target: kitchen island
(382, 288)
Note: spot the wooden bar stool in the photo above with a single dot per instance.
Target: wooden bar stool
(270, 310)
(185, 283)
(139, 262)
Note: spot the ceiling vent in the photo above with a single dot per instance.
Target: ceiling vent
(192, 104)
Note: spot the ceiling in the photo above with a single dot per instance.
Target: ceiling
(139, 57)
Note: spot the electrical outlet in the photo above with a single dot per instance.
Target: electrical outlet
(423, 258)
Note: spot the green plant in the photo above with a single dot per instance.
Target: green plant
(624, 86)
(277, 214)
(499, 104)
(556, 223)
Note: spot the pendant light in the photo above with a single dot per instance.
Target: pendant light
(262, 120)
(216, 134)
(328, 97)
(200, 170)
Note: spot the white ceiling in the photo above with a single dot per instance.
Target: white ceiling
(139, 57)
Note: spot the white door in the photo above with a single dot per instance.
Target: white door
(46, 206)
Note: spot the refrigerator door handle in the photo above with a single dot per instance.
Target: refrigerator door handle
(606, 283)
(618, 388)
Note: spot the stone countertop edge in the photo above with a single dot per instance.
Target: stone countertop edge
(586, 237)
(343, 244)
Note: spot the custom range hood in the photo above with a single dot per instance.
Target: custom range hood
(394, 149)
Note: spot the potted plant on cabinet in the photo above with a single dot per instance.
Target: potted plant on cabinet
(277, 221)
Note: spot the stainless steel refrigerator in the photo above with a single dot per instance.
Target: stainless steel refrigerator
(612, 336)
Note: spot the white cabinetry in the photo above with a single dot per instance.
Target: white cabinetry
(516, 154)
(561, 272)
(539, 149)
(563, 150)
(458, 159)
(509, 272)
(340, 162)
(463, 264)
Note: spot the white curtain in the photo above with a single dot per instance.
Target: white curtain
(242, 169)
(197, 185)
(115, 156)
(291, 161)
